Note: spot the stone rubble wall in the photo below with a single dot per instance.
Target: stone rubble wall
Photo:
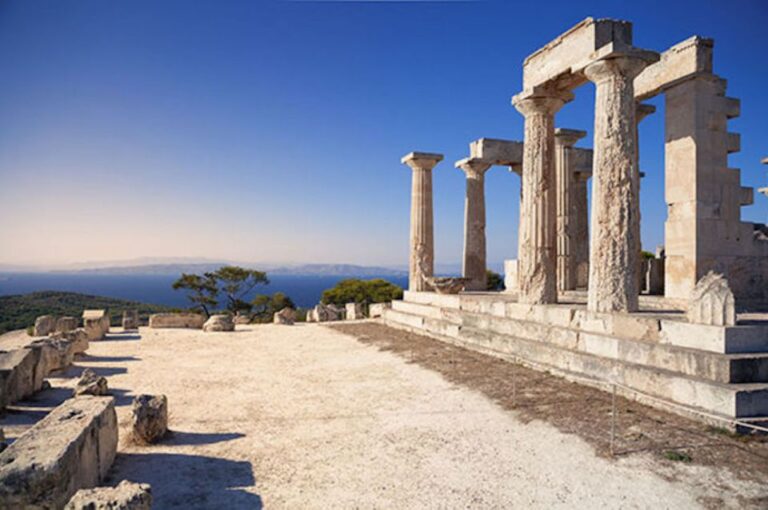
(176, 320)
(70, 449)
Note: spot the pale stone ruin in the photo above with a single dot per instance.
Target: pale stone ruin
(325, 313)
(96, 323)
(149, 414)
(130, 320)
(286, 316)
(218, 323)
(354, 311)
(578, 296)
(376, 310)
(176, 320)
(125, 496)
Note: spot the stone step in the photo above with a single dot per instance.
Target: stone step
(451, 315)
(729, 400)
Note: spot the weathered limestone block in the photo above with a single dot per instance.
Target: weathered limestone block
(448, 285)
(354, 311)
(217, 323)
(126, 496)
(377, 309)
(78, 337)
(130, 320)
(18, 377)
(327, 313)
(286, 316)
(510, 275)
(149, 417)
(242, 319)
(65, 324)
(53, 354)
(91, 384)
(176, 320)
(497, 152)
(44, 325)
(96, 323)
(70, 449)
(712, 302)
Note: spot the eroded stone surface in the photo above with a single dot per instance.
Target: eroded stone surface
(44, 325)
(354, 311)
(176, 320)
(130, 319)
(126, 496)
(70, 449)
(222, 322)
(474, 262)
(377, 309)
(286, 316)
(65, 324)
(91, 384)
(712, 302)
(149, 417)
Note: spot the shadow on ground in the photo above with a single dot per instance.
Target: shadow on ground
(189, 481)
(194, 438)
(120, 337)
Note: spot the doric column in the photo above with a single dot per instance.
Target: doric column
(580, 219)
(474, 264)
(422, 256)
(566, 223)
(614, 250)
(537, 269)
(641, 111)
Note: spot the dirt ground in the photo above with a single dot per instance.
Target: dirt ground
(313, 417)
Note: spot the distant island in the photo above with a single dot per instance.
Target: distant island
(297, 270)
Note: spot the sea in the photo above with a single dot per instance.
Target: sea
(305, 291)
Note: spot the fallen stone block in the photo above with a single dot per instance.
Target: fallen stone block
(217, 323)
(286, 316)
(354, 311)
(126, 496)
(44, 325)
(242, 319)
(150, 418)
(176, 320)
(54, 354)
(377, 309)
(70, 449)
(96, 323)
(78, 337)
(712, 302)
(65, 324)
(91, 384)
(18, 377)
(130, 320)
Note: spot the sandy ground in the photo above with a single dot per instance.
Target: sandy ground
(308, 417)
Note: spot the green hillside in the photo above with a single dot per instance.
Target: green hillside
(20, 311)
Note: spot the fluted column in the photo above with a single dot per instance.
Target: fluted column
(474, 263)
(422, 256)
(537, 269)
(566, 222)
(615, 246)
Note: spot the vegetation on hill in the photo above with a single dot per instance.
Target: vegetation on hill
(265, 307)
(494, 280)
(20, 311)
(362, 291)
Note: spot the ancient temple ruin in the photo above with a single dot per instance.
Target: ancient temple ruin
(576, 294)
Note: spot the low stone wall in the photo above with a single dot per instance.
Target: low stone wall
(70, 449)
(176, 320)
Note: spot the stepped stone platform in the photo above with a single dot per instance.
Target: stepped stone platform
(654, 355)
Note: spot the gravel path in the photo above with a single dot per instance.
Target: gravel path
(307, 417)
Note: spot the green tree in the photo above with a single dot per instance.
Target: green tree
(493, 280)
(236, 282)
(362, 291)
(264, 307)
(201, 290)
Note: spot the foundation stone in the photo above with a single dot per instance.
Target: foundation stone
(712, 302)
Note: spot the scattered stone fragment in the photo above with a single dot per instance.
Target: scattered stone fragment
(130, 320)
(354, 311)
(44, 325)
(286, 316)
(176, 320)
(126, 496)
(377, 309)
(78, 337)
(221, 322)
(66, 324)
(242, 318)
(91, 384)
(150, 417)
(712, 302)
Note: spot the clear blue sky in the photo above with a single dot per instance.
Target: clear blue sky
(272, 131)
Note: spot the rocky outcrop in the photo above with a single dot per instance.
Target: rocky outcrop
(70, 449)
(149, 416)
(286, 316)
(130, 320)
(126, 496)
(91, 384)
(218, 323)
(176, 320)
(44, 325)
(712, 302)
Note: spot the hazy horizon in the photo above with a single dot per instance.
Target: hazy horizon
(273, 131)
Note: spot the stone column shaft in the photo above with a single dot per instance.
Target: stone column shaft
(422, 252)
(537, 232)
(614, 250)
(641, 112)
(566, 222)
(474, 263)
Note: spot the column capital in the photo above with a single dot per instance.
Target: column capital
(627, 63)
(421, 160)
(473, 167)
(545, 102)
(568, 137)
(642, 110)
